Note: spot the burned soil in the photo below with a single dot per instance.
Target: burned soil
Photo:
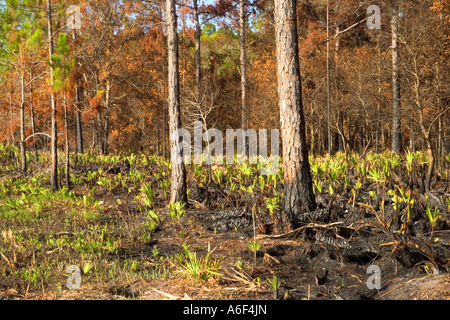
(375, 233)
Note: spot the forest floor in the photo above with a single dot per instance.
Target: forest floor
(116, 226)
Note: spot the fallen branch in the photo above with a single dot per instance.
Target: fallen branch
(398, 287)
(168, 295)
(309, 225)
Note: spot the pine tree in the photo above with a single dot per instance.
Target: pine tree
(298, 190)
(178, 182)
(54, 144)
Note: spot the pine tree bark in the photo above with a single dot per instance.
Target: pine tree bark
(79, 128)
(66, 136)
(198, 57)
(243, 63)
(54, 142)
(33, 121)
(380, 88)
(178, 178)
(164, 120)
(329, 143)
(339, 144)
(23, 152)
(105, 142)
(396, 123)
(298, 190)
(80, 148)
(198, 72)
(440, 142)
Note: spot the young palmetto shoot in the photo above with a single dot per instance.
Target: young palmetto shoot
(379, 177)
(433, 216)
(409, 161)
(406, 198)
(355, 191)
(272, 204)
(275, 285)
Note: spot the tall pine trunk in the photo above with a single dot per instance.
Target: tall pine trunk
(33, 121)
(440, 144)
(329, 146)
(54, 147)
(198, 75)
(80, 148)
(178, 179)
(396, 124)
(243, 63)
(380, 88)
(340, 120)
(23, 152)
(66, 136)
(105, 142)
(298, 190)
(164, 120)
(78, 125)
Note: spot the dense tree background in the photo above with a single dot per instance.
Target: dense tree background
(117, 80)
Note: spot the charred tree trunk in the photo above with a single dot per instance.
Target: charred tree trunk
(178, 179)
(298, 190)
